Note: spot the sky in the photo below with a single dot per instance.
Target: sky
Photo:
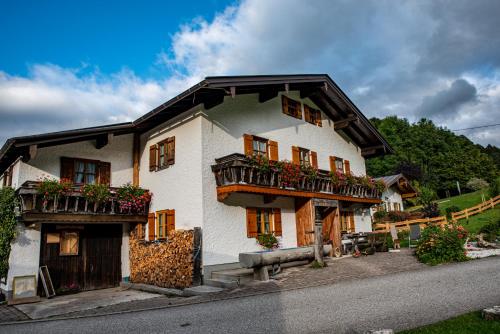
(71, 64)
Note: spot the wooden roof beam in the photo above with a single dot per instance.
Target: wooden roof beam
(344, 123)
(367, 151)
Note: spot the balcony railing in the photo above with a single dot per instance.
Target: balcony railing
(72, 201)
(237, 169)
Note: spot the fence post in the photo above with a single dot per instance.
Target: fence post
(466, 213)
(491, 203)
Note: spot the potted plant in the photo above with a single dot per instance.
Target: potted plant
(51, 188)
(290, 174)
(310, 174)
(262, 166)
(97, 194)
(268, 241)
(132, 199)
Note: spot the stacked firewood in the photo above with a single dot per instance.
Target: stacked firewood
(167, 264)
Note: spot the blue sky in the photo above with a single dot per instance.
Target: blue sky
(109, 34)
(70, 64)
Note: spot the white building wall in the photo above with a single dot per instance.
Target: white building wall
(177, 187)
(224, 229)
(47, 162)
(24, 256)
(391, 196)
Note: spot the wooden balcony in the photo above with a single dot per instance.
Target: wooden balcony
(235, 174)
(72, 207)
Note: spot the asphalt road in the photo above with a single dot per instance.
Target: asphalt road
(399, 301)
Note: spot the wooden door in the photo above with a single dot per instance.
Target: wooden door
(331, 227)
(97, 263)
(102, 257)
(304, 221)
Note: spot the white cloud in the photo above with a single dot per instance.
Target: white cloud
(386, 57)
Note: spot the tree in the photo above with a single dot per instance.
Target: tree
(434, 156)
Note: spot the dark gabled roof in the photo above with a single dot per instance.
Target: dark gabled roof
(391, 180)
(320, 88)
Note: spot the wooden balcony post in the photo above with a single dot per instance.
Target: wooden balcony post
(136, 153)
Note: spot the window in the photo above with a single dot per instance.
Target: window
(339, 165)
(7, 177)
(140, 231)
(69, 243)
(254, 145)
(263, 221)
(259, 146)
(312, 115)
(85, 172)
(347, 222)
(304, 156)
(162, 154)
(397, 207)
(165, 222)
(291, 107)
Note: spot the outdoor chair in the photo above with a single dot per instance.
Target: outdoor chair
(414, 234)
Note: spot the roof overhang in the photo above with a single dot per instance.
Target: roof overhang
(320, 88)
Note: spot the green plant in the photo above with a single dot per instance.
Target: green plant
(449, 210)
(310, 172)
(351, 180)
(380, 186)
(398, 216)
(8, 203)
(427, 195)
(431, 210)
(379, 215)
(317, 265)
(491, 231)
(96, 193)
(441, 245)
(338, 178)
(51, 187)
(268, 241)
(261, 163)
(132, 198)
(494, 189)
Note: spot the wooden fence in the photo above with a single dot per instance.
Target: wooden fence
(405, 225)
(489, 204)
(441, 220)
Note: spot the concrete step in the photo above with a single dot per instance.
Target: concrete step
(221, 283)
(201, 290)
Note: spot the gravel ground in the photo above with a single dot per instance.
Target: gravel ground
(400, 301)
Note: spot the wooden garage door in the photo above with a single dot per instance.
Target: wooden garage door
(97, 263)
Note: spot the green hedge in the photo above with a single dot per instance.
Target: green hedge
(8, 202)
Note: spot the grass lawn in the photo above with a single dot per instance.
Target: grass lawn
(470, 323)
(463, 201)
(476, 222)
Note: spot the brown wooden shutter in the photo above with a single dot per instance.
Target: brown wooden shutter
(314, 159)
(284, 104)
(307, 113)
(153, 158)
(170, 150)
(104, 173)
(252, 223)
(273, 150)
(347, 167)
(170, 221)
(295, 155)
(278, 230)
(67, 169)
(318, 119)
(151, 226)
(248, 144)
(333, 167)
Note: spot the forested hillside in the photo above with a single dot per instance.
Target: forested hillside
(432, 155)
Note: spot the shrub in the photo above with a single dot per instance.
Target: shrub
(450, 210)
(310, 172)
(51, 187)
(268, 241)
(441, 245)
(491, 231)
(8, 202)
(427, 195)
(338, 178)
(431, 210)
(317, 265)
(476, 184)
(379, 215)
(290, 174)
(398, 216)
(495, 187)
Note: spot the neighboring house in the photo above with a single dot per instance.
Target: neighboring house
(397, 188)
(192, 154)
